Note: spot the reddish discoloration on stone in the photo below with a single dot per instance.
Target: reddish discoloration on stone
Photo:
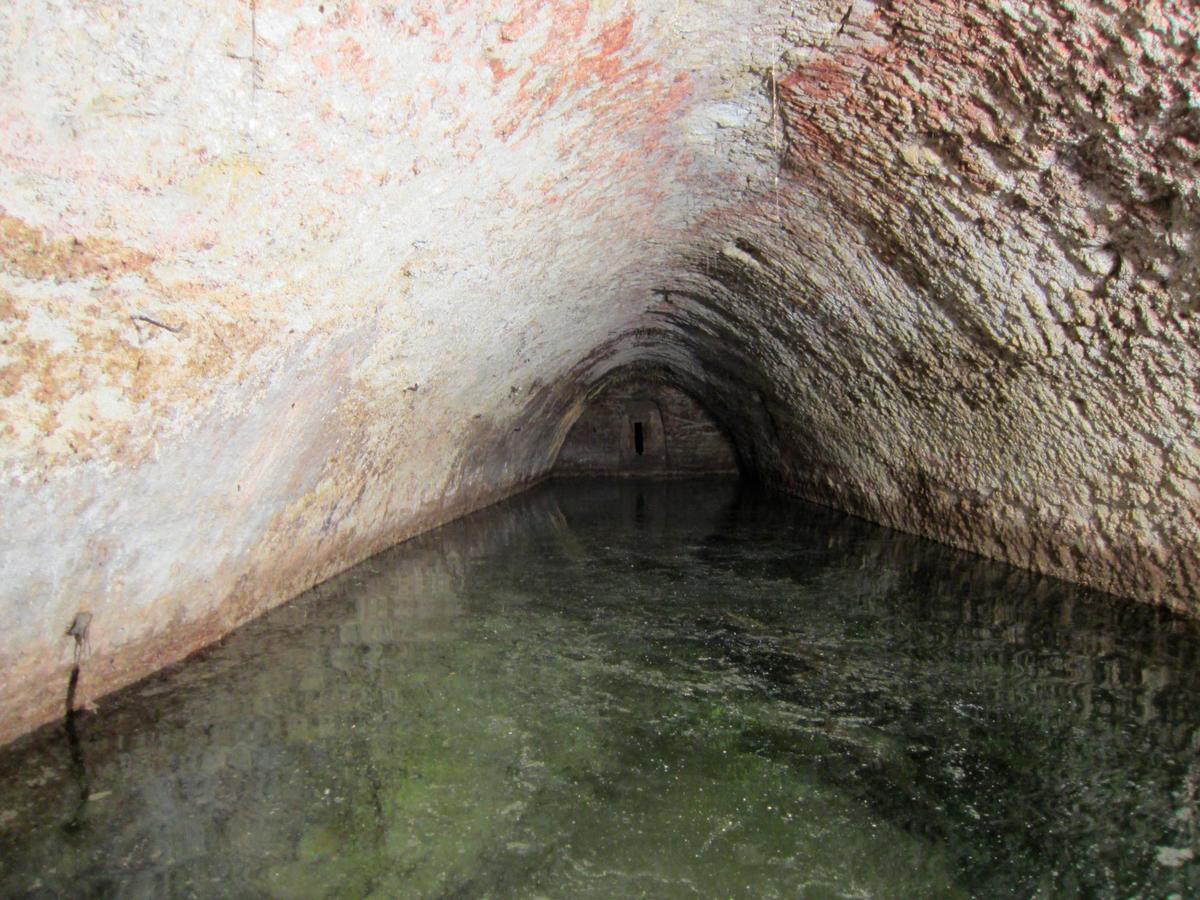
(30, 253)
(567, 66)
(616, 37)
(499, 72)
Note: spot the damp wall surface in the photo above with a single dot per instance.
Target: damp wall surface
(283, 283)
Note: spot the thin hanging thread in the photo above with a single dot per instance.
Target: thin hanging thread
(253, 54)
(775, 140)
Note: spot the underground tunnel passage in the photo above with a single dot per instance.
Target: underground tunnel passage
(599, 448)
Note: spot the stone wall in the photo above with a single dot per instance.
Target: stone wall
(282, 283)
(967, 307)
(645, 428)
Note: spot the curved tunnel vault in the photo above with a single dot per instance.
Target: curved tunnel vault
(282, 284)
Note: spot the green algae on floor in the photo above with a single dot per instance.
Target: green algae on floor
(640, 689)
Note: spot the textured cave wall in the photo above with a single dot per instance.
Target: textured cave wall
(282, 283)
(966, 308)
(679, 437)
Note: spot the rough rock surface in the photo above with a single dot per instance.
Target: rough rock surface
(282, 283)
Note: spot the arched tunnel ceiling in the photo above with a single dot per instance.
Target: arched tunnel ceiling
(282, 283)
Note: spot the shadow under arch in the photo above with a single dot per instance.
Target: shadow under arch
(640, 419)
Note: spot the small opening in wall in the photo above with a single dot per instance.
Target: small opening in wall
(639, 441)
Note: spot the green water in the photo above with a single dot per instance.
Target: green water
(631, 689)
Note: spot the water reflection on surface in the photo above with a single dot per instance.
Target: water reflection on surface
(619, 688)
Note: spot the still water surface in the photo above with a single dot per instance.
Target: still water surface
(637, 689)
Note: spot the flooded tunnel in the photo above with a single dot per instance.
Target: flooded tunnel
(620, 448)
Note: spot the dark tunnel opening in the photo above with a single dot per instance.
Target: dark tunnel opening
(639, 422)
